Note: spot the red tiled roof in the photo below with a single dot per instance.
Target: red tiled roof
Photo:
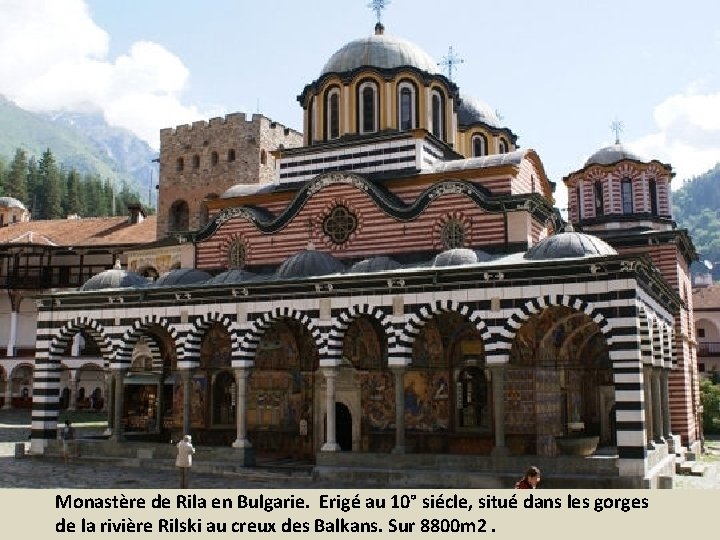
(81, 232)
(706, 297)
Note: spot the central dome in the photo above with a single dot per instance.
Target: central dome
(612, 154)
(380, 51)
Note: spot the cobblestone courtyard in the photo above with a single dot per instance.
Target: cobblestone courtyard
(39, 472)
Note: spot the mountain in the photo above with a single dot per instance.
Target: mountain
(696, 207)
(79, 140)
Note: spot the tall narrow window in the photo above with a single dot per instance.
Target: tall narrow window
(479, 145)
(196, 161)
(599, 199)
(333, 114)
(406, 106)
(368, 101)
(180, 164)
(438, 115)
(502, 146)
(214, 158)
(627, 196)
(311, 122)
(652, 186)
(231, 155)
(579, 202)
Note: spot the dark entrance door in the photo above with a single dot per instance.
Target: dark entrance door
(343, 427)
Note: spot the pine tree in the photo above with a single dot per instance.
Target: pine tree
(73, 201)
(50, 179)
(16, 179)
(34, 188)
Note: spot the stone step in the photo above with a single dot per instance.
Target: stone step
(690, 468)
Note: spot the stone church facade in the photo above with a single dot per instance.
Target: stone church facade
(401, 288)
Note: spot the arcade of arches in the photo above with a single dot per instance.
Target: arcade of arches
(558, 380)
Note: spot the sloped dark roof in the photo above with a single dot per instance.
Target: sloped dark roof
(181, 276)
(235, 275)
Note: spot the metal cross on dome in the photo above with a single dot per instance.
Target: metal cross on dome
(617, 127)
(378, 6)
(449, 61)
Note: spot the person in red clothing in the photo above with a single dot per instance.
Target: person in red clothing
(530, 480)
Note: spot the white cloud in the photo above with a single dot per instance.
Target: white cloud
(54, 56)
(688, 133)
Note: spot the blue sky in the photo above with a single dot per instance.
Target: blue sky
(559, 72)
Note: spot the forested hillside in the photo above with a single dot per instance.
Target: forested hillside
(51, 192)
(696, 206)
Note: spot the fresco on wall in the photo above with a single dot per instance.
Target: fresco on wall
(427, 403)
(378, 399)
(216, 348)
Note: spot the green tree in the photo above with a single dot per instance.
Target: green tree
(50, 179)
(73, 200)
(16, 180)
(710, 399)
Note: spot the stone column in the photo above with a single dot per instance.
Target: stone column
(12, 337)
(665, 403)
(8, 393)
(187, 401)
(109, 402)
(331, 444)
(497, 374)
(241, 377)
(399, 374)
(73, 384)
(647, 386)
(107, 398)
(657, 409)
(117, 434)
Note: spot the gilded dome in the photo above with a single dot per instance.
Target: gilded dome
(612, 154)
(568, 245)
(380, 51)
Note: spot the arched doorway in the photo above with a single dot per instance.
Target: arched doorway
(448, 399)
(558, 382)
(343, 427)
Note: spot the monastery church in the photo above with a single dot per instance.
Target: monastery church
(392, 288)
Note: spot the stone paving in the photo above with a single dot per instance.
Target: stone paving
(40, 472)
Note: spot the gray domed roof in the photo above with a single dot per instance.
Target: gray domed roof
(11, 202)
(308, 263)
(375, 264)
(569, 245)
(115, 278)
(459, 256)
(472, 110)
(612, 154)
(243, 190)
(380, 51)
(235, 275)
(181, 276)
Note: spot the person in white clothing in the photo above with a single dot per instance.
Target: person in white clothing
(184, 460)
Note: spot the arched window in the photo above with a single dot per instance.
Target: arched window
(406, 106)
(652, 186)
(599, 199)
(368, 101)
(196, 161)
(332, 114)
(502, 146)
(263, 157)
(452, 234)
(479, 145)
(180, 165)
(438, 115)
(236, 254)
(231, 154)
(626, 195)
(214, 158)
(311, 121)
(179, 216)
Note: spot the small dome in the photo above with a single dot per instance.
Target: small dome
(459, 257)
(380, 51)
(375, 264)
(612, 154)
(243, 190)
(115, 278)
(472, 110)
(181, 276)
(308, 263)
(11, 202)
(569, 245)
(235, 275)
